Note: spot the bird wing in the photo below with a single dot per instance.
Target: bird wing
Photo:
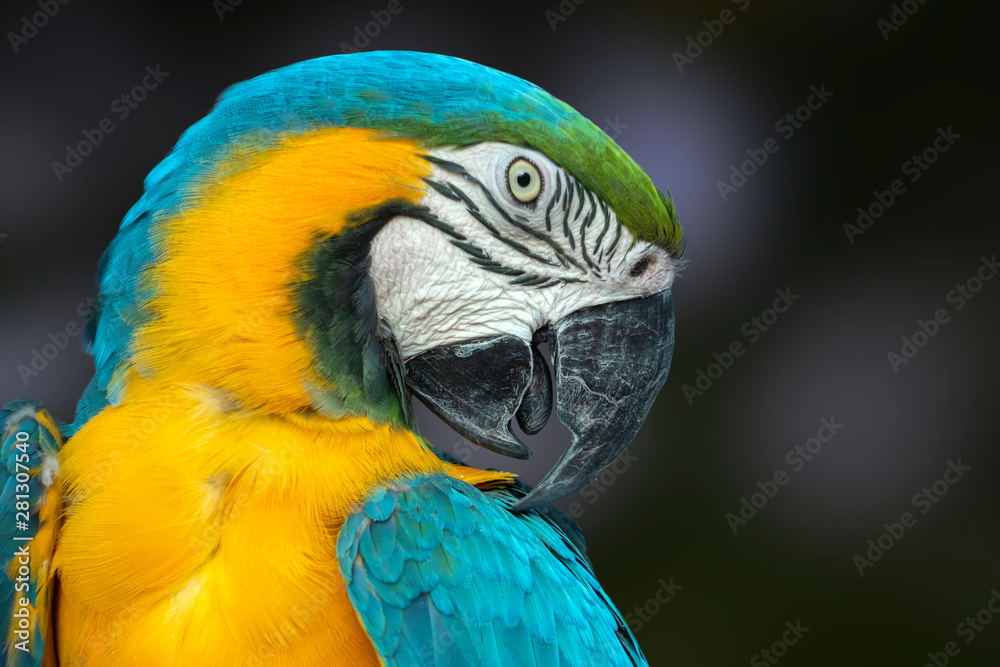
(29, 516)
(441, 573)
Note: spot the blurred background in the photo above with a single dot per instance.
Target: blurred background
(768, 490)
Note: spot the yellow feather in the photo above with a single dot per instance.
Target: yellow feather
(201, 515)
(224, 309)
(216, 528)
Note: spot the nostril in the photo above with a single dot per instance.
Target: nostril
(640, 267)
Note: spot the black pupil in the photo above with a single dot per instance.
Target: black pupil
(640, 267)
(524, 179)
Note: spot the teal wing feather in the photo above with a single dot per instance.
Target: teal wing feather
(28, 454)
(443, 574)
(520, 488)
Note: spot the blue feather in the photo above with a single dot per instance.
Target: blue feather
(480, 586)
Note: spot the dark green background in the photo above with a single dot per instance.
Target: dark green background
(663, 516)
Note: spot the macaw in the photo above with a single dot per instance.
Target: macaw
(244, 482)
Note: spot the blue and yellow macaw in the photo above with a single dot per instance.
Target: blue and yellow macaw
(244, 483)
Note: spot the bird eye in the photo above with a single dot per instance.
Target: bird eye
(640, 267)
(524, 180)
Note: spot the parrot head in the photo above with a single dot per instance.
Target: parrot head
(338, 235)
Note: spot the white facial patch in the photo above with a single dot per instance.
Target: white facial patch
(481, 261)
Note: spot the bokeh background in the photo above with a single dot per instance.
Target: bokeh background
(657, 527)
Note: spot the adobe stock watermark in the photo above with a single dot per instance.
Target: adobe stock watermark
(614, 128)
(122, 107)
(796, 458)
(714, 28)
(31, 24)
(474, 456)
(968, 628)
(467, 452)
(223, 7)
(593, 491)
(923, 500)
(779, 648)
(251, 322)
(644, 613)
(381, 18)
(561, 12)
(58, 341)
(927, 329)
(898, 17)
(787, 125)
(914, 168)
(752, 329)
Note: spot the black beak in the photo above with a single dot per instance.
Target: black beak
(476, 387)
(610, 363)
